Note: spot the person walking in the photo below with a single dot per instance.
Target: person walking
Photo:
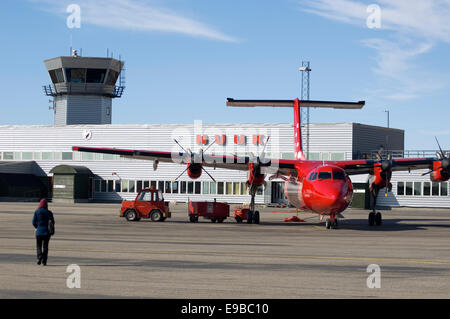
(42, 221)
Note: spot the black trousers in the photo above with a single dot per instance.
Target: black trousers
(42, 247)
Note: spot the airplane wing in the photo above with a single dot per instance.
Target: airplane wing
(355, 167)
(217, 161)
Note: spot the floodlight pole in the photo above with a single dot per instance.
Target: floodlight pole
(304, 112)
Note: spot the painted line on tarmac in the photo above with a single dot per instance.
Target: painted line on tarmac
(276, 256)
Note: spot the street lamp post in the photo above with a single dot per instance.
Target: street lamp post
(387, 111)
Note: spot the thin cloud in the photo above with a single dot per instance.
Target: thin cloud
(413, 30)
(135, 15)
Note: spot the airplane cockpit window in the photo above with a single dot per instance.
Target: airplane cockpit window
(324, 175)
(313, 176)
(339, 175)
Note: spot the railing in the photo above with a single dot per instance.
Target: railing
(397, 154)
(83, 88)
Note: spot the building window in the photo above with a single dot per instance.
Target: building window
(212, 188)
(124, 185)
(27, 156)
(244, 190)
(112, 77)
(236, 188)
(417, 188)
(17, 156)
(337, 156)
(110, 186)
(146, 184)
(400, 188)
(118, 188)
(175, 189)
(56, 75)
(444, 189)
(57, 156)
(132, 188)
(190, 187)
(426, 189)
(205, 188)
(220, 188)
(153, 184)
(76, 75)
(8, 156)
(435, 189)
(87, 156)
(138, 186)
(108, 157)
(198, 186)
(168, 188)
(409, 188)
(67, 156)
(229, 188)
(95, 75)
(183, 187)
(161, 186)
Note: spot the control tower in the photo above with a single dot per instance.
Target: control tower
(83, 88)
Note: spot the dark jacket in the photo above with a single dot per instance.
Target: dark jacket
(40, 221)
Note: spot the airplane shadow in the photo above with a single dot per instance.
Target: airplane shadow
(391, 225)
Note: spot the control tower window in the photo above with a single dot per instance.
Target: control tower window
(76, 75)
(112, 77)
(95, 75)
(56, 75)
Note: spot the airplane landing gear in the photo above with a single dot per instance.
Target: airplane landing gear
(375, 218)
(252, 215)
(331, 222)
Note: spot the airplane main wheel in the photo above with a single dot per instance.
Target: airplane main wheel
(378, 219)
(256, 217)
(371, 219)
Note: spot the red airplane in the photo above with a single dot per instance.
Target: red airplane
(321, 187)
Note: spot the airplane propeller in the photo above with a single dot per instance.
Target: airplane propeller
(386, 168)
(442, 156)
(192, 159)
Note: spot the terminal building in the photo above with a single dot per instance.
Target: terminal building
(38, 161)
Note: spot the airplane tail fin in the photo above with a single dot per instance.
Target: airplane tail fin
(298, 146)
(296, 104)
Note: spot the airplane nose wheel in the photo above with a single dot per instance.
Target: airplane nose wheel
(331, 223)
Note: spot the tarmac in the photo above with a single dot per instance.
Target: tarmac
(179, 259)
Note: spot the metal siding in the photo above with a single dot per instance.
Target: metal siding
(324, 138)
(368, 138)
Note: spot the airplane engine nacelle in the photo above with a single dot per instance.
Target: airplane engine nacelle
(380, 178)
(194, 171)
(254, 176)
(441, 172)
(294, 193)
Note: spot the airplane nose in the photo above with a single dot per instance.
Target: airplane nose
(331, 197)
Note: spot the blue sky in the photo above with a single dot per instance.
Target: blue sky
(184, 58)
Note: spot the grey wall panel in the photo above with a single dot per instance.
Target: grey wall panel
(367, 138)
